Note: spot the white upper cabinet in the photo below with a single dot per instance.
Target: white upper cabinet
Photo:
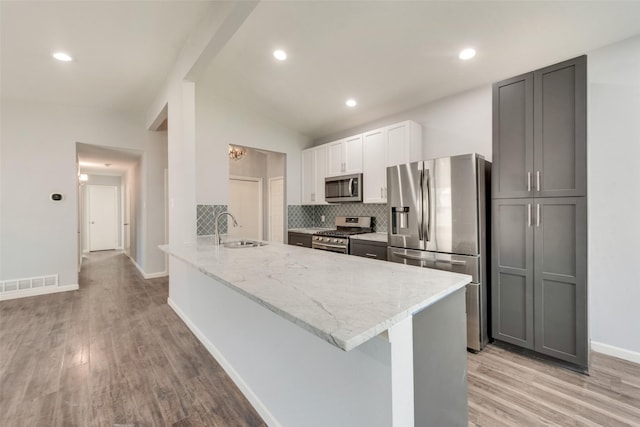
(314, 170)
(388, 146)
(345, 156)
(375, 163)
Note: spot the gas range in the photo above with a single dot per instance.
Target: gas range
(338, 240)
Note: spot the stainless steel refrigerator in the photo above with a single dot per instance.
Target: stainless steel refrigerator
(438, 218)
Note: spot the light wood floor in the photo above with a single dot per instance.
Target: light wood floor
(115, 353)
(509, 389)
(110, 353)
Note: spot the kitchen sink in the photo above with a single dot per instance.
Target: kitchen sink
(243, 244)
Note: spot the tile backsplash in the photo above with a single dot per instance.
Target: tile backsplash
(310, 216)
(300, 216)
(205, 216)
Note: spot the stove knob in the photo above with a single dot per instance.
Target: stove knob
(335, 240)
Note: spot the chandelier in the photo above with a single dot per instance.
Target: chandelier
(236, 153)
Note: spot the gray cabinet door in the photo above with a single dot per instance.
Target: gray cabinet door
(560, 287)
(300, 239)
(513, 137)
(560, 129)
(512, 271)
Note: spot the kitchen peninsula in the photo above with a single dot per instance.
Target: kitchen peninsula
(316, 338)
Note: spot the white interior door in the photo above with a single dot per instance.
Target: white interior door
(245, 203)
(103, 214)
(276, 210)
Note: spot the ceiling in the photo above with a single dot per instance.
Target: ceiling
(123, 50)
(93, 159)
(389, 55)
(394, 55)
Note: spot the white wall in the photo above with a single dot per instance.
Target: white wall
(152, 207)
(38, 157)
(220, 123)
(458, 124)
(614, 197)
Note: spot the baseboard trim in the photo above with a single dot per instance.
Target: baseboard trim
(620, 353)
(24, 293)
(255, 401)
(147, 275)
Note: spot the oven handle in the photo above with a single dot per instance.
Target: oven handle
(324, 245)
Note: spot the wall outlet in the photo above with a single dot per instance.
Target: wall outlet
(321, 218)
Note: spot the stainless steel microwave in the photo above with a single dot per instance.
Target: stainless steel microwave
(344, 188)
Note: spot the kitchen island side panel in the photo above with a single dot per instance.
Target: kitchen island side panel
(290, 376)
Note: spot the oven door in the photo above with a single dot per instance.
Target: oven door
(330, 247)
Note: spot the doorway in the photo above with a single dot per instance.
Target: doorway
(269, 209)
(245, 202)
(103, 214)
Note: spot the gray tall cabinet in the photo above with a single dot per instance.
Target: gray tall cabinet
(539, 217)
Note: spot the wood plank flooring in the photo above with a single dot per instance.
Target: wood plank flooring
(509, 389)
(111, 353)
(114, 353)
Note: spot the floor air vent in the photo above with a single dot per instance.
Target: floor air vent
(28, 283)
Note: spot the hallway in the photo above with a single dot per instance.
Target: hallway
(112, 352)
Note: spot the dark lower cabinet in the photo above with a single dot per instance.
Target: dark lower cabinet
(299, 239)
(368, 249)
(539, 276)
(560, 278)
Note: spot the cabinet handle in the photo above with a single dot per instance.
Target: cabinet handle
(528, 181)
(537, 180)
(538, 215)
(371, 255)
(381, 190)
(299, 244)
(313, 197)
(529, 215)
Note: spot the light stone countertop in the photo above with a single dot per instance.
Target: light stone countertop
(373, 237)
(344, 300)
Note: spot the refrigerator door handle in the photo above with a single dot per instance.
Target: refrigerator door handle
(427, 207)
(421, 200)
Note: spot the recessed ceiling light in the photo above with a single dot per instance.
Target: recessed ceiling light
(351, 102)
(280, 54)
(467, 53)
(61, 56)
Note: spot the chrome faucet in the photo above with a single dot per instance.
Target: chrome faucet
(216, 237)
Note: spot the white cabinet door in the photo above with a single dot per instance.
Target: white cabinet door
(314, 170)
(335, 163)
(398, 144)
(352, 154)
(375, 172)
(345, 156)
(308, 176)
(404, 143)
(320, 173)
